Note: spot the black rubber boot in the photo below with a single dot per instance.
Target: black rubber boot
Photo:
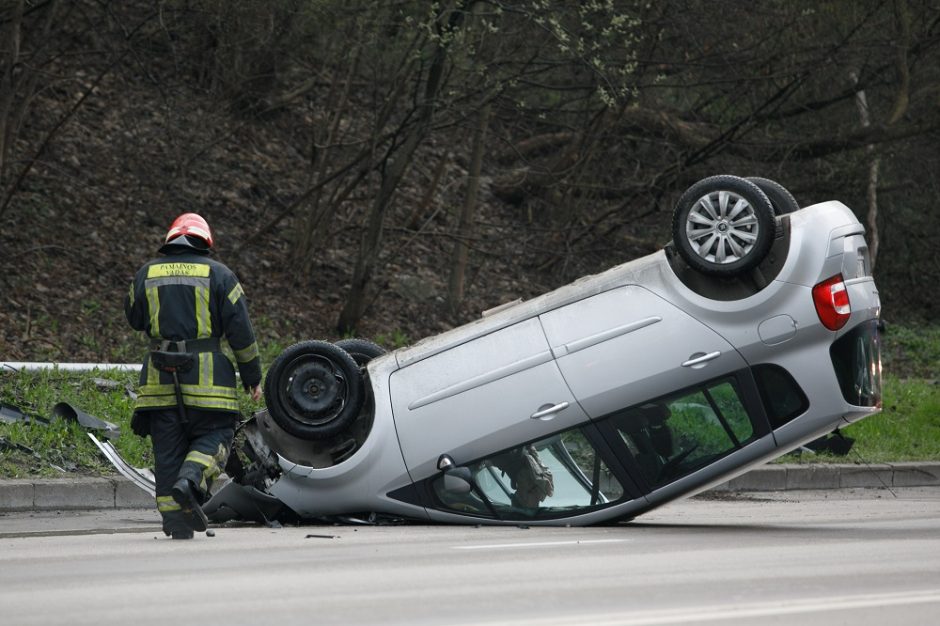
(177, 531)
(185, 496)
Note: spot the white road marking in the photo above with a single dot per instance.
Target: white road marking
(539, 544)
(721, 613)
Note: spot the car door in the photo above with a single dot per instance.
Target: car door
(485, 395)
(624, 346)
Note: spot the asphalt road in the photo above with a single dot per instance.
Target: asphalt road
(835, 557)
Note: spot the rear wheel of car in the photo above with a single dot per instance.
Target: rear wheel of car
(361, 350)
(779, 196)
(723, 226)
(314, 390)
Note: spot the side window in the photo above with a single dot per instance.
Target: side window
(728, 404)
(782, 397)
(552, 476)
(678, 434)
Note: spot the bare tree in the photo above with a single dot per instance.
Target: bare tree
(20, 74)
(394, 165)
(464, 232)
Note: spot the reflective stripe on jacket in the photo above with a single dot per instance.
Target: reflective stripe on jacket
(185, 296)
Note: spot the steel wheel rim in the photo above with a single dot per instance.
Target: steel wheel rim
(722, 227)
(307, 396)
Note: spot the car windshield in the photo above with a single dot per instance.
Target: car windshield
(546, 478)
(679, 434)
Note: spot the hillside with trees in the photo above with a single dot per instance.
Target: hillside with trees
(392, 168)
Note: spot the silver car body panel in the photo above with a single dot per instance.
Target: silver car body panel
(652, 359)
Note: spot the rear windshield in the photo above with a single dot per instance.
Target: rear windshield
(856, 358)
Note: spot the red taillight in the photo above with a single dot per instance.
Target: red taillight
(832, 302)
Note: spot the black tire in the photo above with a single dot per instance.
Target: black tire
(724, 240)
(361, 350)
(314, 390)
(780, 197)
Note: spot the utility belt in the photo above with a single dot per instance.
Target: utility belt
(210, 344)
(177, 357)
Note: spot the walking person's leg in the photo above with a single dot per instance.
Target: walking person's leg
(170, 445)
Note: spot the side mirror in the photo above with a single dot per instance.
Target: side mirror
(458, 480)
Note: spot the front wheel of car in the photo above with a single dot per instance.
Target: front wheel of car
(314, 390)
(723, 226)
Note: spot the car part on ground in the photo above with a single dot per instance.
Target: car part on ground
(10, 413)
(66, 411)
(141, 477)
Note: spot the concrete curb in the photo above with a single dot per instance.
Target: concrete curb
(56, 494)
(791, 477)
(60, 494)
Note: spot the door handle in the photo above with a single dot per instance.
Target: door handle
(700, 358)
(549, 413)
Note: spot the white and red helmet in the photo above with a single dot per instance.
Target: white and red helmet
(192, 225)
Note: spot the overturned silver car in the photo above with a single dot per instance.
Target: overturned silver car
(751, 334)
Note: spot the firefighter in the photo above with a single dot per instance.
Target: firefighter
(186, 302)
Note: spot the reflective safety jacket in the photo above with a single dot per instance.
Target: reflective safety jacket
(184, 296)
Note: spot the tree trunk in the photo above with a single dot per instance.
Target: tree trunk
(8, 60)
(370, 246)
(458, 269)
(861, 102)
(414, 220)
(397, 165)
(307, 235)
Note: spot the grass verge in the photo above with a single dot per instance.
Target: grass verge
(907, 429)
(50, 447)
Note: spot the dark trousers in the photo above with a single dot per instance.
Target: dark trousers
(196, 450)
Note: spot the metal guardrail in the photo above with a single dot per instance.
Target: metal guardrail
(29, 366)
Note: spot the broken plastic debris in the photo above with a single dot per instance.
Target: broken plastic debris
(142, 477)
(103, 384)
(10, 445)
(10, 413)
(66, 411)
